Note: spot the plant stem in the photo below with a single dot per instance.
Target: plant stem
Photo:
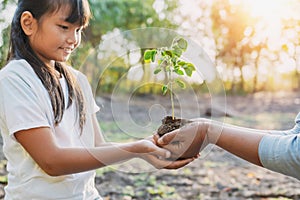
(171, 95)
(172, 102)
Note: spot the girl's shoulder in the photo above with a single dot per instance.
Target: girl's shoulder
(75, 72)
(78, 75)
(16, 68)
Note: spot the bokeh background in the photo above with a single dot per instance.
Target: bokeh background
(254, 47)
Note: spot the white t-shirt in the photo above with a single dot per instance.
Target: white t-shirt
(25, 104)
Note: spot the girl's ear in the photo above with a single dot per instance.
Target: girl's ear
(27, 23)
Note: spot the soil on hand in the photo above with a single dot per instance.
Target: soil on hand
(169, 124)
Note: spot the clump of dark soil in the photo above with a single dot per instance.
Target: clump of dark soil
(169, 124)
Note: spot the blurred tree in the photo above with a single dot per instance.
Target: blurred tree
(112, 15)
(241, 44)
(124, 15)
(229, 25)
(292, 46)
(4, 31)
(266, 46)
(4, 46)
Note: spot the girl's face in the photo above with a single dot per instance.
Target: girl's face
(54, 39)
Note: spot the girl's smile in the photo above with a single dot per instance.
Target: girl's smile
(54, 38)
(67, 51)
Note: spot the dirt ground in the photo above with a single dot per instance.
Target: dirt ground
(215, 175)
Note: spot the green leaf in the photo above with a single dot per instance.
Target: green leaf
(153, 55)
(182, 43)
(181, 63)
(180, 83)
(169, 53)
(148, 55)
(179, 72)
(157, 70)
(164, 89)
(176, 67)
(188, 72)
(177, 51)
(189, 68)
(174, 60)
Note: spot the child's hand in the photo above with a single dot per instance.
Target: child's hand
(157, 156)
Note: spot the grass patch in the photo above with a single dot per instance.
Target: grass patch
(268, 121)
(122, 132)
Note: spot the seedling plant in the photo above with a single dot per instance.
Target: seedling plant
(169, 60)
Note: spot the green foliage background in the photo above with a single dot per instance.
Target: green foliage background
(232, 53)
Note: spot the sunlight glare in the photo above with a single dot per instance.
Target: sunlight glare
(268, 10)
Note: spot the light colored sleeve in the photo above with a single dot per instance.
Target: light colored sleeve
(92, 106)
(280, 151)
(20, 107)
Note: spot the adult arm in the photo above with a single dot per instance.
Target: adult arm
(277, 152)
(242, 142)
(189, 140)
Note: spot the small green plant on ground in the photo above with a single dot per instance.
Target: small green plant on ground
(169, 60)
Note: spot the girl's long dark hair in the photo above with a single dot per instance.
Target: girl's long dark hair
(21, 49)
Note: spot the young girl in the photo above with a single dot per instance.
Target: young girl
(51, 136)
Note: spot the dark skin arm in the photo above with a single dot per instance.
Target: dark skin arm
(242, 142)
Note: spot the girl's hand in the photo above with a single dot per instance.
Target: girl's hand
(158, 157)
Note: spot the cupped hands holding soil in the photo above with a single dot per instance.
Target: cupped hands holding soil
(170, 124)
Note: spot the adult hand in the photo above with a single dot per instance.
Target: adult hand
(159, 157)
(185, 142)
